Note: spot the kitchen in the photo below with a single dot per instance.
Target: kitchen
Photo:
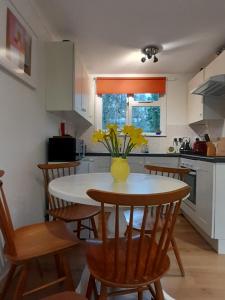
(31, 119)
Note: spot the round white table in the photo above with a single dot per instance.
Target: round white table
(74, 187)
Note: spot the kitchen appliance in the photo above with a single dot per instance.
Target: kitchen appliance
(214, 86)
(65, 148)
(186, 146)
(200, 147)
(191, 180)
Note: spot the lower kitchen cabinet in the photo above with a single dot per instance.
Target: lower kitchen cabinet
(136, 164)
(99, 164)
(201, 180)
(204, 196)
(162, 161)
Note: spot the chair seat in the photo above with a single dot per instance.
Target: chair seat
(97, 264)
(74, 212)
(41, 239)
(66, 296)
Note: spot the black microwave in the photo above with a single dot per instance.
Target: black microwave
(63, 149)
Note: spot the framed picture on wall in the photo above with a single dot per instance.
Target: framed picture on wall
(17, 44)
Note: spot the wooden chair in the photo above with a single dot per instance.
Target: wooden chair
(64, 210)
(177, 173)
(133, 262)
(65, 296)
(31, 242)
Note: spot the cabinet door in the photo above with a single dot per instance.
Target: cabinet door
(91, 99)
(85, 91)
(195, 102)
(99, 164)
(78, 77)
(136, 164)
(216, 67)
(83, 168)
(204, 196)
(162, 161)
(59, 77)
(195, 108)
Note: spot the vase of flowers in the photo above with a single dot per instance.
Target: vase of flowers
(120, 143)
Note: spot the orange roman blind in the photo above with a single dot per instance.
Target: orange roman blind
(130, 85)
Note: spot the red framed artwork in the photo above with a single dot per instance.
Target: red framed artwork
(17, 44)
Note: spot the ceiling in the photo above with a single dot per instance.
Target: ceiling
(110, 33)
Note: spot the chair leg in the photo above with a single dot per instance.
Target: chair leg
(140, 295)
(177, 254)
(90, 288)
(67, 272)
(78, 229)
(58, 263)
(8, 281)
(152, 292)
(159, 291)
(103, 292)
(94, 228)
(20, 287)
(40, 271)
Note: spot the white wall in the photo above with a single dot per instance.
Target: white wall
(24, 128)
(176, 115)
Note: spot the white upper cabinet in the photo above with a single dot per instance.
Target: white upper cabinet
(216, 67)
(60, 76)
(67, 86)
(195, 102)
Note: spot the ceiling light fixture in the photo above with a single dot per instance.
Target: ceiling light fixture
(149, 52)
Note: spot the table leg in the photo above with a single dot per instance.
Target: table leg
(122, 223)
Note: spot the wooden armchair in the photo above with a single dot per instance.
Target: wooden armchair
(133, 263)
(64, 210)
(28, 243)
(176, 173)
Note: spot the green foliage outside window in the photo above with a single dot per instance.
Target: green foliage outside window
(146, 117)
(114, 111)
(114, 108)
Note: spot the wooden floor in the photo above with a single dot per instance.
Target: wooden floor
(205, 270)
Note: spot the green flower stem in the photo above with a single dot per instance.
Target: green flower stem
(129, 149)
(110, 148)
(124, 143)
(112, 143)
(106, 146)
(116, 144)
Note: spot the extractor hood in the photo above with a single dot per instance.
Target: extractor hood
(214, 86)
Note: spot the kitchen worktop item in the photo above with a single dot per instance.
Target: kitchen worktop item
(200, 147)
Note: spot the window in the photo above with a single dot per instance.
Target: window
(147, 111)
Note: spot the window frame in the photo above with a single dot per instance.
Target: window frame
(162, 103)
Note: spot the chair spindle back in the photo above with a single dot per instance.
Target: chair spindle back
(52, 171)
(177, 173)
(131, 258)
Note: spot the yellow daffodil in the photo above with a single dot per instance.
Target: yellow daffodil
(112, 127)
(98, 136)
(138, 140)
(128, 129)
(120, 146)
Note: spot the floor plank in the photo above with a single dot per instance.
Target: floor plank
(205, 270)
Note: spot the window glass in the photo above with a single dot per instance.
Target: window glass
(114, 108)
(146, 117)
(146, 97)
